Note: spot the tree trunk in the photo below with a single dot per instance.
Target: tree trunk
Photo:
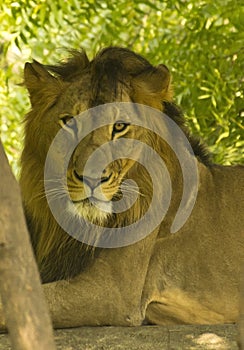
(241, 321)
(25, 310)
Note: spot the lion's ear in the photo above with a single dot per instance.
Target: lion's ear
(40, 83)
(153, 85)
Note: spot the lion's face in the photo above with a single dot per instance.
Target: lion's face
(92, 192)
(79, 87)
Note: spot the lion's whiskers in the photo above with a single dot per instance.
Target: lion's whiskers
(130, 189)
(53, 193)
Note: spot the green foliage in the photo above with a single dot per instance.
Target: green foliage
(199, 40)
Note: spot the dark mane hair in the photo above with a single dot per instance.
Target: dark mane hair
(199, 149)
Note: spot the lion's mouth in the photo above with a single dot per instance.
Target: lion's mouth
(93, 207)
(90, 201)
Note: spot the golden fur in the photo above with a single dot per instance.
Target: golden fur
(191, 276)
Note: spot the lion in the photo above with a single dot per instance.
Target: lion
(191, 276)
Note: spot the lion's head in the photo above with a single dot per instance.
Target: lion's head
(58, 94)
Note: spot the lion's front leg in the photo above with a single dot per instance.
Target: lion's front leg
(83, 302)
(108, 293)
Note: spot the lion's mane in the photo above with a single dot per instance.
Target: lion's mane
(60, 256)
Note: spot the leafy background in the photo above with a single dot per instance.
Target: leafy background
(200, 41)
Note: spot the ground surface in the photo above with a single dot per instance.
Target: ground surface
(143, 338)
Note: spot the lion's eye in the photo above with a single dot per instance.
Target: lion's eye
(68, 122)
(119, 126)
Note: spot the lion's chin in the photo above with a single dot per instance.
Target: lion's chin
(93, 210)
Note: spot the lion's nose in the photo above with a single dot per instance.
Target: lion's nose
(92, 182)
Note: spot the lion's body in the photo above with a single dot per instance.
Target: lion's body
(191, 276)
(200, 265)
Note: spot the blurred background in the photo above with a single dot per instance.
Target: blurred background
(201, 42)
